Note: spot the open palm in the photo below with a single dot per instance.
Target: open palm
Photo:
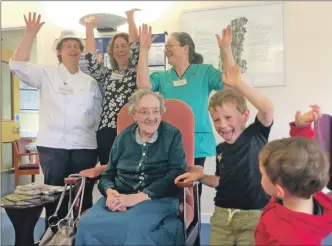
(91, 20)
(226, 38)
(33, 23)
(145, 36)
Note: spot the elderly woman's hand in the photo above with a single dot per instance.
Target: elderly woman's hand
(132, 199)
(113, 202)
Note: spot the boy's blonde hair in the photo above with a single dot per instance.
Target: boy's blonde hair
(298, 164)
(228, 95)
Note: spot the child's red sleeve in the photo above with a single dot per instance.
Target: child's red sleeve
(306, 131)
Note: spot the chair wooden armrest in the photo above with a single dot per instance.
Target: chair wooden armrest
(196, 168)
(71, 181)
(187, 185)
(93, 173)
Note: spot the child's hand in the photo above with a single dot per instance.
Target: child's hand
(232, 77)
(302, 120)
(189, 177)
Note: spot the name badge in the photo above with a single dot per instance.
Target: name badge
(180, 82)
(116, 76)
(66, 90)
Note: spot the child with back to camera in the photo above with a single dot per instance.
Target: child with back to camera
(294, 171)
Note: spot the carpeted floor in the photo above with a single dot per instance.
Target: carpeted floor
(8, 234)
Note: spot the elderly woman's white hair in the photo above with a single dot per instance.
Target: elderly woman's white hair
(137, 95)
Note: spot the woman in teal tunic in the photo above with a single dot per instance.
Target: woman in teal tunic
(188, 80)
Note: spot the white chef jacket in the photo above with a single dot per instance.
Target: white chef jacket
(66, 120)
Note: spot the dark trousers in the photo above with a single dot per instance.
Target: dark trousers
(105, 139)
(57, 164)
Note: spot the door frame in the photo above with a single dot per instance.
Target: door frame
(10, 129)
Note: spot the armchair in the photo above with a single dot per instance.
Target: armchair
(180, 115)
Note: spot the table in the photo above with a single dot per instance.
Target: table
(24, 216)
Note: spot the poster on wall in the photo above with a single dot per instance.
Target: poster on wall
(258, 39)
(156, 52)
(101, 49)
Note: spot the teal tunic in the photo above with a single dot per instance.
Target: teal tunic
(201, 79)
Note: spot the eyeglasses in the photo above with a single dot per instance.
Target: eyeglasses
(168, 46)
(145, 112)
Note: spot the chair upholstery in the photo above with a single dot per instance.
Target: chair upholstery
(179, 114)
(31, 168)
(323, 134)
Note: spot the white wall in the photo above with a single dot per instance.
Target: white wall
(12, 12)
(308, 38)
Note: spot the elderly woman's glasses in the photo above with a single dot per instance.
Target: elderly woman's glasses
(145, 112)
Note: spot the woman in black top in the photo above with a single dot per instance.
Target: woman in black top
(118, 83)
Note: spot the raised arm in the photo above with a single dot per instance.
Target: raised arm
(265, 108)
(133, 39)
(225, 48)
(90, 24)
(146, 39)
(133, 33)
(33, 25)
(89, 59)
(19, 64)
(302, 126)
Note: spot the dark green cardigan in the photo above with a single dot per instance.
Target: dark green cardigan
(150, 167)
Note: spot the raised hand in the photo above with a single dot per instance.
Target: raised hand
(145, 36)
(132, 12)
(33, 23)
(232, 77)
(226, 38)
(302, 120)
(91, 21)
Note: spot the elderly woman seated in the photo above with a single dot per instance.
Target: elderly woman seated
(140, 203)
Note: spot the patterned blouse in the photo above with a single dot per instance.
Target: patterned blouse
(117, 85)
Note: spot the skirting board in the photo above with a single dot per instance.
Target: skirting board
(205, 218)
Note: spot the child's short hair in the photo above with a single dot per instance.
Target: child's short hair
(298, 164)
(228, 95)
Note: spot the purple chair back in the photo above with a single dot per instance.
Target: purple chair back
(323, 134)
